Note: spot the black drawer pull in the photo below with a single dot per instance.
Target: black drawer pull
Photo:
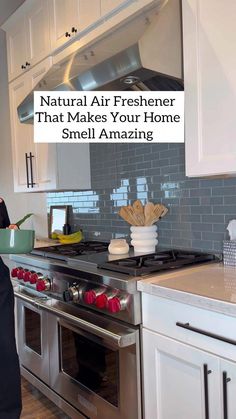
(205, 333)
(206, 372)
(225, 398)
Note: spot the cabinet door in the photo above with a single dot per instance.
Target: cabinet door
(16, 48)
(209, 39)
(44, 160)
(38, 39)
(20, 134)
(87, 14)
(228, 389)
(108, 5)
(64, 16)
(179, 381)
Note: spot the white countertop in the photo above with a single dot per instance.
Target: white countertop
(211, 286)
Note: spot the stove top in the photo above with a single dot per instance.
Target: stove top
(65, 251)
(155, 262)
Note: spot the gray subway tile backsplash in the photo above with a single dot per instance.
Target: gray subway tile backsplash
(199, 209)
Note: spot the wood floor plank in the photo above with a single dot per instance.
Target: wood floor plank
(37, 406)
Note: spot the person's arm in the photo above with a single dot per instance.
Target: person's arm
(4, 218)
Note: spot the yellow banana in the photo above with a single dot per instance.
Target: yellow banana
(69, 236)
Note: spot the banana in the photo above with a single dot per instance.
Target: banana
(70, 238)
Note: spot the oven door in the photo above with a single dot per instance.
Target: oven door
(96, 365)
(32, 338)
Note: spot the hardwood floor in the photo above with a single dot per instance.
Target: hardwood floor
(37, 406)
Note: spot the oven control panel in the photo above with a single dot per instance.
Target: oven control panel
(82, 292)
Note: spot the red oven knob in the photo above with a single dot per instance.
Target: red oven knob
(91, 296)
(117, 304)
(101, 301)
(26, 275)
(114, 305)
(14, 272)
(33, 278)
(20, 273)
(43, 285)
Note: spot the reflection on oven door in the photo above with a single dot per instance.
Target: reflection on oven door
(97, 376)
(33, 339)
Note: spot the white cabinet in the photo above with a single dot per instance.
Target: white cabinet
(189, 363)
(28, 40)
(108, 5)
(179, 381)
(228, 383)
(209, 39)
(43, 167)
(63, 18)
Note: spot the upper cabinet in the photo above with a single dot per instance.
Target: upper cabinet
(43, 167)
(71, 17)
(108, 6)
(64, 19)
(28, 37)
(209, 39)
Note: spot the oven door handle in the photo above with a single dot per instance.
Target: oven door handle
(27, 298)
(118, 340)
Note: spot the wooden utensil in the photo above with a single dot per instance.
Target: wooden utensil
(123, 213)
(139, 211)
(136, 220)
(148, 213)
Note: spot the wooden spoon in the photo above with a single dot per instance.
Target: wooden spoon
(148, 213)
(139, 211)
(133, 215)
(123, 213)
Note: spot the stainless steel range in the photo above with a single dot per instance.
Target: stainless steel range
(79, 319)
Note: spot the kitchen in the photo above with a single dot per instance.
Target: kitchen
(200, 206)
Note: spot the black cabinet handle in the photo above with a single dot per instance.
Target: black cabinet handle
(67, 35)
(74, 30)
(206, 372)
(27, 170)
(32, 183)
(23, 67)
(225, 400)
(27, 63)
(205, 333)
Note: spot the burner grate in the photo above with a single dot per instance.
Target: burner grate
(146, 264)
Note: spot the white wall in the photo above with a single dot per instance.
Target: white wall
(18, 204)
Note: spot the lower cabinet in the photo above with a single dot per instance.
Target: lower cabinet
(188, 373)
(179, 381)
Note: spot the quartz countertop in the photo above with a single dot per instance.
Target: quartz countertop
(211, 286)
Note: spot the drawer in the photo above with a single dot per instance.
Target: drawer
(204, 329)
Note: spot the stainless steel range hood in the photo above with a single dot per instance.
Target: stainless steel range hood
(142, 54)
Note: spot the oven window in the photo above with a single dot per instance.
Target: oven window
(91, 364)
(33, 330)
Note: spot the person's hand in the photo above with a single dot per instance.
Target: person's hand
(13, 227)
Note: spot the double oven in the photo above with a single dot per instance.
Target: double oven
(88, 364)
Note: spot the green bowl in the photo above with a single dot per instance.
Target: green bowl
(16, 241)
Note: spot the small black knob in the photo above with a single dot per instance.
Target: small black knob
(23, 67)
(67, 34)
(73, 30)
(67, 296)
(27, 64)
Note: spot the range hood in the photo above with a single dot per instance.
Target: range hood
(142, 54)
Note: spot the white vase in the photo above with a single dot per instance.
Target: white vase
(144, 239)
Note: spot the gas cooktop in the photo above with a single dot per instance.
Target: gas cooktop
(155, 262)
(65, 251)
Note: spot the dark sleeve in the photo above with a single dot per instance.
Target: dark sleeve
(4, 218)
